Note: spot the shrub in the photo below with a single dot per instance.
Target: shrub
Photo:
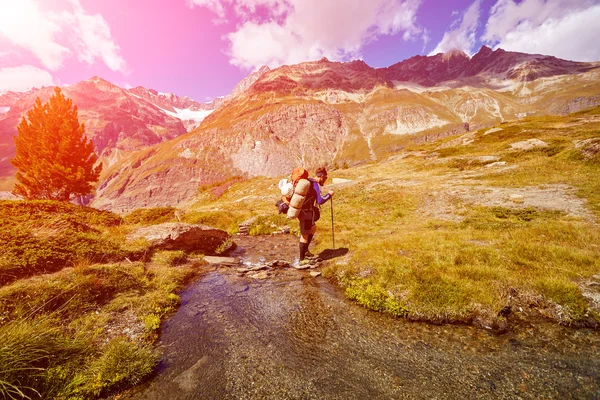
(122, 363)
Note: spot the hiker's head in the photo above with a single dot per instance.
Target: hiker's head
(321, 175)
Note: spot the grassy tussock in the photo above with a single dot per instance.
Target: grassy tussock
(54, 328)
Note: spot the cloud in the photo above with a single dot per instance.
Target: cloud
(276, 32)
(462, 37)
(53, 36)
(92, 38)
(213, 5)
(25, 25)
(24, 77)
(563, 28)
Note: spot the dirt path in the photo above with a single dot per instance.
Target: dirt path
(292, 336)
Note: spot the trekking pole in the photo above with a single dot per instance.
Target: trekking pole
(332, 230)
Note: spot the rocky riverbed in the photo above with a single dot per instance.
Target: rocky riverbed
(286, 334)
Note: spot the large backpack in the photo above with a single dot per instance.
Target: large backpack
(297, 174)
(301, 190)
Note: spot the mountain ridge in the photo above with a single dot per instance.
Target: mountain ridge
(323, 112)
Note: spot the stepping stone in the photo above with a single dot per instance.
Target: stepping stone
(314, 274)
(307, 266)
(221, 260)
(257, 268)
(260, 275)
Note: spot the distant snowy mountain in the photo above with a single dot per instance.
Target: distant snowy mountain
(117, 120)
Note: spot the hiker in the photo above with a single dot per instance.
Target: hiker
(307, 213)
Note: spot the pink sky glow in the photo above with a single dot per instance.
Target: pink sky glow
(203, 48)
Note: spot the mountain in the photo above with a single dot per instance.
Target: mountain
(117, 120)
(327, 113)
(312, 114)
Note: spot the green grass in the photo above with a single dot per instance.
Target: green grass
(68, 275)
(53, 328)
(151, 216)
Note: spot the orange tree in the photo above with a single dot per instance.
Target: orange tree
(54, 159)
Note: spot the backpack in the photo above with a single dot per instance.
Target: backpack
(297, 174)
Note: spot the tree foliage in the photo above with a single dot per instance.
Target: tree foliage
(54, 158)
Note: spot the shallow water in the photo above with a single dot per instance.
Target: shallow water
(292, 336)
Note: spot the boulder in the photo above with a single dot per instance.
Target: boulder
(187, 237)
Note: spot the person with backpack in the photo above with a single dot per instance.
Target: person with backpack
(309, 213)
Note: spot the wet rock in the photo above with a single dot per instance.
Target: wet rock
(278, 264)
(180, 236)
(314, 274)
(305, 266)
(260, 275)
(496, 164)
(258, 267)
(222, 260)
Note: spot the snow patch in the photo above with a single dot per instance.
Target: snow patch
(4, 110)
(186, 114)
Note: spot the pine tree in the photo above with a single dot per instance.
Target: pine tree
(54, 158)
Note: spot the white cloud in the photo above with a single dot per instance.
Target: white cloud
(566, 29)
(92, 38)
(52, 36)
(276, 32)
(25, 25)
(213, 5)
(463, 37)
(24, 77)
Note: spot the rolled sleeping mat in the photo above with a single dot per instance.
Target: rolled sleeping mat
(297, 200)
(293, 212)
(302, 187)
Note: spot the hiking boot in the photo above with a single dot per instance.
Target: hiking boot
(306, 261)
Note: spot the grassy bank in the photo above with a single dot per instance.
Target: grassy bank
(78, 314)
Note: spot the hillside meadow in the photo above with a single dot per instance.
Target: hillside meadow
(468, 229)
(483, 229)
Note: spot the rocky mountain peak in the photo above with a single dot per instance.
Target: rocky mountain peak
(484, 51)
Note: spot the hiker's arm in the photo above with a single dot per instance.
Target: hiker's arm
(321, 199)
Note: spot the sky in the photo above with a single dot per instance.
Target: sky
(203, 48)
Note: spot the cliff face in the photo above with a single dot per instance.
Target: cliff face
(313, 114)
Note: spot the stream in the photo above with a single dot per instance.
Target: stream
(294, 336)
